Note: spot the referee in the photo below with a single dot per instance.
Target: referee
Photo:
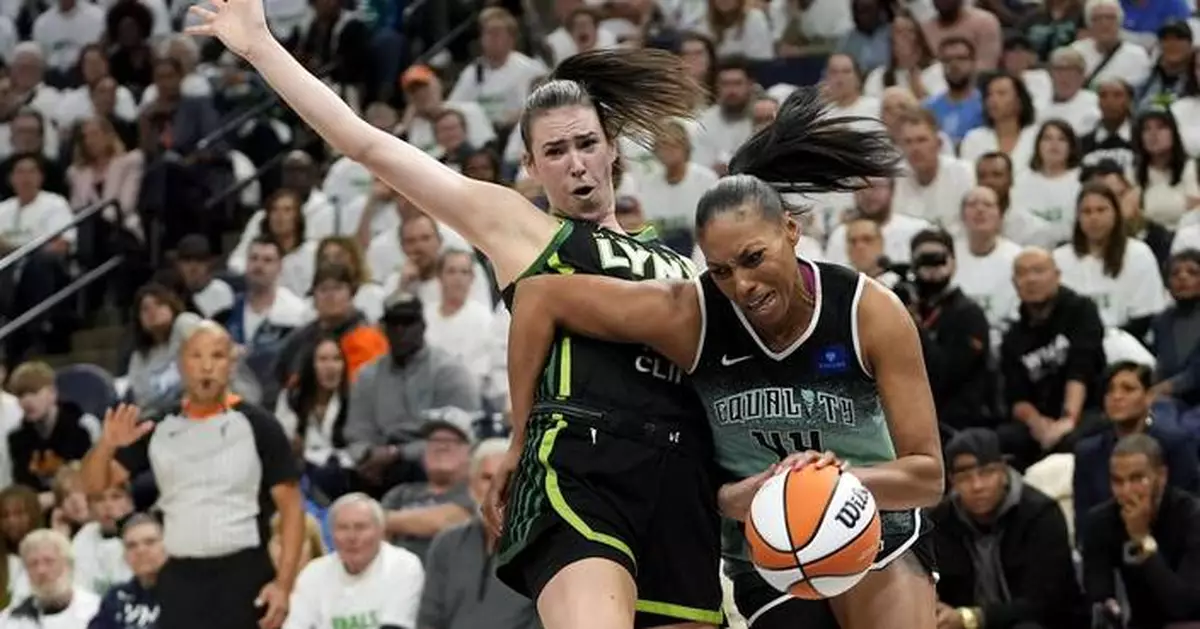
(222, 466)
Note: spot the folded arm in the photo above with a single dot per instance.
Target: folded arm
(663, 315)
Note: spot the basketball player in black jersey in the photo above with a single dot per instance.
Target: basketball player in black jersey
(581, 531)
(788, 355)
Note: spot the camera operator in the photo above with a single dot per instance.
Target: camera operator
(958, 331)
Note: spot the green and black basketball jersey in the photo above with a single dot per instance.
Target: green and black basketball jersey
(816, 394)
(613, 376)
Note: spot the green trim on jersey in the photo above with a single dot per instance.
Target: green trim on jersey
(646, 234)
(682, 612)
(551, 249)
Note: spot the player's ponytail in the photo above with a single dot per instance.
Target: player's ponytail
(634, 92)
(805, 150)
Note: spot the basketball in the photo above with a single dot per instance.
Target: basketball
(813, 533)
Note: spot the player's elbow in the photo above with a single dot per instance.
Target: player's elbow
(931, 478)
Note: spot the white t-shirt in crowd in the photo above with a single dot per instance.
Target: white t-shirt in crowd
(344, 219)
(385, 257)
(346, 180)
(216, 296)
(1164, 203)
(10, 420)
(1051, 199)
(897, 232)
(988, 280)
(77, 615)
(63, 34)
(863, 107)
(982, 140)
(1131, 63)
(1136, 292)
(752, 40)
(1187, 115)
(479, 129)
(674, 204)
(1039, 84)
(99, 561)
(465, 334)
(386, 593)
(933, 79)
(502, 90)
(1081, 111)
(76, 105)
(939, 202)
(317, 219)
(715, 138)
(45, 214)
(562, 45)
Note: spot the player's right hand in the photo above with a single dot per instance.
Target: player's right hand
(239, 24)
(801, 460)
(497, 497)
(122, 426)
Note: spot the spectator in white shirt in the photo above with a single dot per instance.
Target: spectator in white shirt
(1008, 123)
(99, 552)
(284, 222)
(64, 28)
(874, 202)
(1163, 171)
(1020, 60)
(313, 414)
(422, 242)
(500, 79)
(76, 104)
(56, 602)
(1113, 136)
(699, 57)
(843, 89)
(985, 260)
(26, 89)
(185, 52)
(1108, 57)
(1117, 272)
(1050, 188)
(898, 104)
(1158, 238)
(670, 195)
(936, 183)
(423, 90)
(460, 326)
(366, 582)
(260, 317)
(994, 170)
(1186, 108)
(864, 245)
(579, 30)
(1069, 101)
(912, 66)
(193, 278)
(737, 28)
(722, 128)
(385, 254)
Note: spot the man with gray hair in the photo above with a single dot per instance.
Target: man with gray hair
(1070, 102)
(1104, 52)
(55, 602)
(366, 582)
(461, 588)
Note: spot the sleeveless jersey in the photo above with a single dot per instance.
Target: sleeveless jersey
(814, 395)
(613, 376)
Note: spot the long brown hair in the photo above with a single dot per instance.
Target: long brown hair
(632, 91)
(1114, 247)
(29, 500)
(719, 23)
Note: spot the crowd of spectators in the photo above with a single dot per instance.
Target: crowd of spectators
(1045, 236)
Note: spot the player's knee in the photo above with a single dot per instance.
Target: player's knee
(592, 593)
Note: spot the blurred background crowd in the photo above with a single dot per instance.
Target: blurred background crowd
(1046, 238)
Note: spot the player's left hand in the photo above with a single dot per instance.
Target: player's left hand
(818, 460)
(275, 598)
(497, 497)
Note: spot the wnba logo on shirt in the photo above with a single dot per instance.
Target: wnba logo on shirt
(833, 359)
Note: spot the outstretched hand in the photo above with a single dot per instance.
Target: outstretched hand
(123, 426)
(239, 24)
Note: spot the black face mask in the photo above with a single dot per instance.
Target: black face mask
(930, 288)
(404, 338)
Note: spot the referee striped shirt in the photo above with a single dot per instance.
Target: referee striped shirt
(214, 474)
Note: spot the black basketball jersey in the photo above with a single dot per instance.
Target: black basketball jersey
(613, 376)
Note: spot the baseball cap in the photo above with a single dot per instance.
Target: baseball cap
(451, 418)
(193, 248)
(981, 443)
(417, 75)
(1175, 28)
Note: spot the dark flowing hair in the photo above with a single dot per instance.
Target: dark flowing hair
(805, 150)
(302, 399)
(634, 92)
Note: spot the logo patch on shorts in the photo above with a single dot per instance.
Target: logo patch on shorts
(833, 359)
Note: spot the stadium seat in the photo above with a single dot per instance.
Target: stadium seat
(88, 386)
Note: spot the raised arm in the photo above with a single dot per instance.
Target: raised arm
(893, 353)
(496, 219)
(663, 315)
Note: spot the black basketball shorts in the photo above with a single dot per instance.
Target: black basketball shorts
(765, 607)
(635, 492)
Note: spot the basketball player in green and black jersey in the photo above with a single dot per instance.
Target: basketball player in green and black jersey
(789, 356)
(582, 535)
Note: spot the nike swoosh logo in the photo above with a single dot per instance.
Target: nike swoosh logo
(726, 361)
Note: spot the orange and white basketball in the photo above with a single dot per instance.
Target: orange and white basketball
(813, 533)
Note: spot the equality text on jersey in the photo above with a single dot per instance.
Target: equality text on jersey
(782, 403)
(642, 262)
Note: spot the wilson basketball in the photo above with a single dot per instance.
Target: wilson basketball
(813, 533)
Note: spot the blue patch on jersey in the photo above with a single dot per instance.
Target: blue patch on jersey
(833, 359)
